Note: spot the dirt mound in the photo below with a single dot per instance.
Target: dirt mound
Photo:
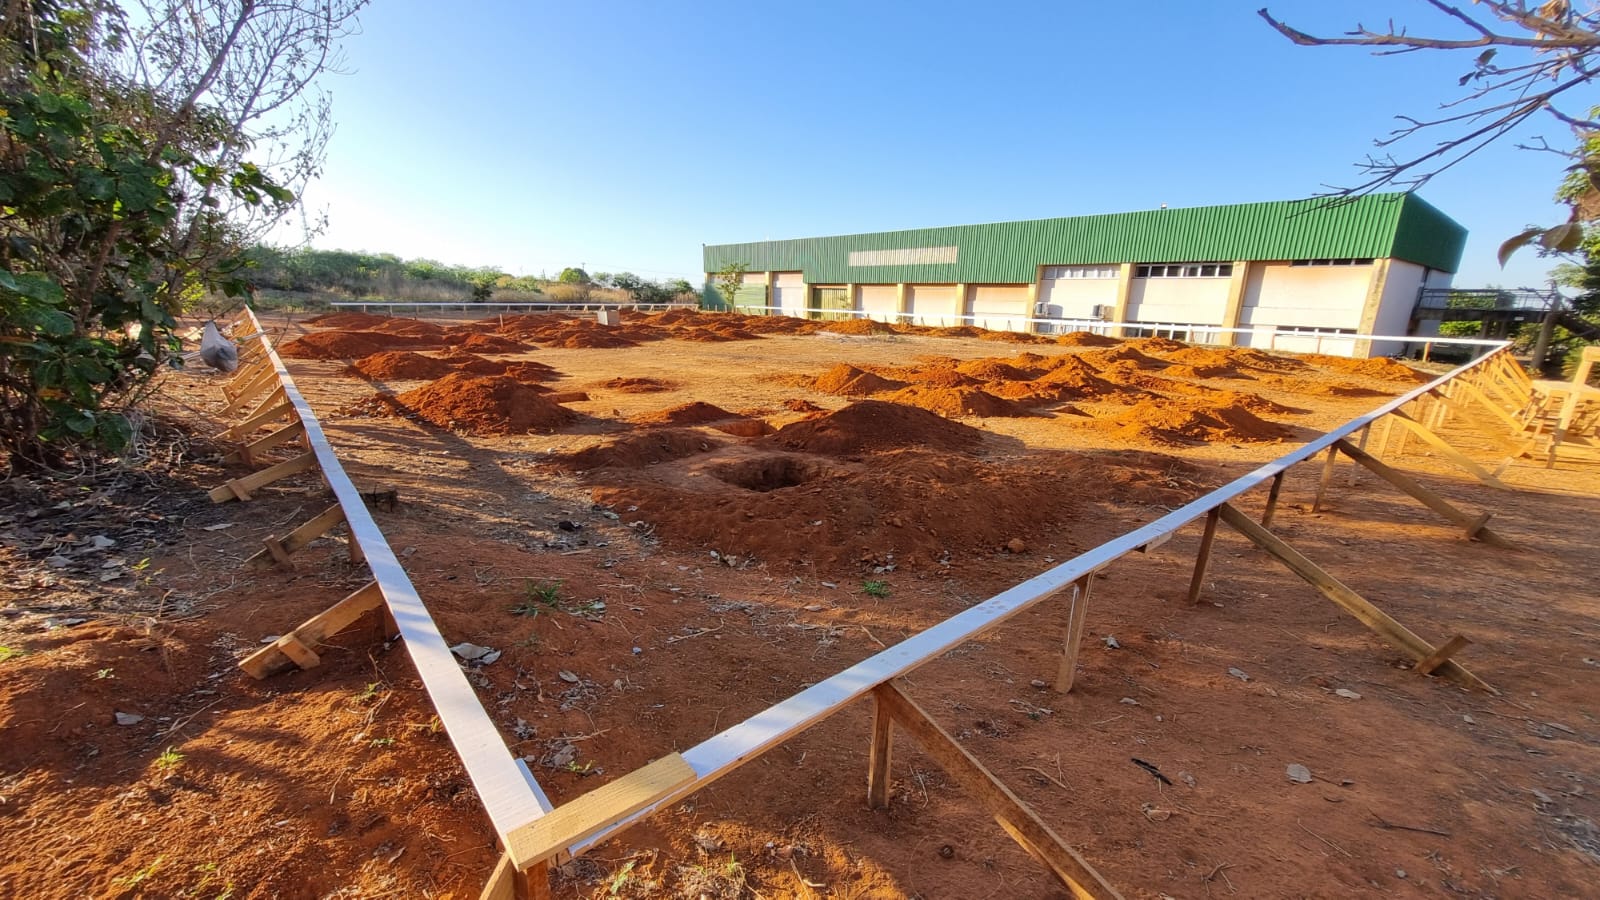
(954, 331)
(848, 381)
(411, 327)
(399, 364)
(1086, 339)
(477, 342)
(353, 320)
(780, 325)
(1316, 388)
(960, 401)
(875, 425)
(1166, 421)
(1157, 345)
(994, 370)
(478, 404)
(638, 385)
(1379, 367)
(593, 340)
(1077, 377)
(938, 377)
(860, 326)
(1198, 362)
(637, 450)
(1015, 337)
(696, 413)
(348, 344)
(1102, 359)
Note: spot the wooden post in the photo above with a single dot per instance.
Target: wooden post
(1499, 411)
(1428, 498)
(1448, 452)
(508, 883)
(1383, 439)
(1364, 611)
(1446, 650)
(297, 648)
(1362, 443)
(242, 488)
(1272, 500)
(1328, 466)
(1077, 613)
(1015, 817)
(1203, 558)
(878, 756)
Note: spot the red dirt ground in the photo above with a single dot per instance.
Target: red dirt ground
(336, 783)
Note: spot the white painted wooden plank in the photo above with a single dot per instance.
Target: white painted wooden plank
(503, 785)
(726, 751)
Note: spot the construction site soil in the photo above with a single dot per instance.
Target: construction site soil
(741, 507)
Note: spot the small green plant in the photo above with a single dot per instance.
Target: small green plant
(140, 876)
(168, 761)
(103, 674)
(370, 692)
(383, 742)
(538, 596)
(10, 653)
(577, 769)
(875, 588)
(620, 880)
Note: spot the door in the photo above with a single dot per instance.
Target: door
(789, 293)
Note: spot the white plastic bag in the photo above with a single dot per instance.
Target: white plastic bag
(217, 351)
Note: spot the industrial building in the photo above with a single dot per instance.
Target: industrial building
(1288, 275)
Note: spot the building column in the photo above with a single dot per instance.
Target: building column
(1033, 299)
(900, 304)
(771, 292)
(1119, 313)
(961, 303)
(1235, 307)
(1369, 311)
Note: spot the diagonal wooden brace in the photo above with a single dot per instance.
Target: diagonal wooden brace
(247, 454)
(278, 549)
(244, 376)
(1475, 393)
(242, 488)
(257, 420)
(1383, 624)
(1433, 440)
(588, 815)
(297, 648)
(1018, 820)
(263, 381)
(1474, 524)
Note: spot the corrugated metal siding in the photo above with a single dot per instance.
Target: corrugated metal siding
(1010, 252)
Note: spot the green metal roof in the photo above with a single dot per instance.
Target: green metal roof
(1402, 226)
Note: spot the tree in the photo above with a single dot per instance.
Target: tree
(1553, 49)
(126, 190)
(728, 279)
(574, 275)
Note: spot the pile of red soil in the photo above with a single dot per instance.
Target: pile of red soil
(399, 365)
(1379, 367)
(1075, 377)
(696, 413)
(955, 402)
(411, 327)
(795, 404)
(347, 344)
(638, 385)
(356, 320)
(860, 326)
(848, 381)
(1166, 421)
(995, 370)
(876, 425)
(955, 331)
(937, 377)
(1317, 388)
(1015, 337)
(1102, 359)
(589, 340)
(1157, 345)
(637, 450)
(492, 404)
(1086, 339)
(475, 342)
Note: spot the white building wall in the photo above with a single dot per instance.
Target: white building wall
(1076, 298)
(879, 301)
(998, 307)
(1397, 303)
(933, 304)
(1198, 301)
(1305, 296)
(789, 293)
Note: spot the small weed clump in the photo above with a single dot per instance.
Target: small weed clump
(168, 761)
(878, 589)
(537, 597)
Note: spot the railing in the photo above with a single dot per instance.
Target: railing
(1485, 298)
(394, 307)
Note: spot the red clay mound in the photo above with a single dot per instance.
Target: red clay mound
(848, 381)
(696, 413)
(1317, 388)
(994, 370)
(638, 385)
(939, 378)
(491, 404)
(411, 327)
(961, 401)
(1101, 359)
(475, 342)
(1380, 367)
(955, 331)
(1077, 377)
(1015, 337)
(1190, 422)
(592, 340)
(637, 450)
(356, 320)
(1086, 339)
(706, 335)
(1157, 345)
(874, 425)
(399, 364)
(780, 325)
(860, 326)
(347, 344)
(795, 404)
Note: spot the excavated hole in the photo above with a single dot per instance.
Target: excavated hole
(768, 473)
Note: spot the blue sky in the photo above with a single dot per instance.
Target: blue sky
(622, 135)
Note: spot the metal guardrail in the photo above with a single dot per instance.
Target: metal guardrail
(505, 786)
(531, 306)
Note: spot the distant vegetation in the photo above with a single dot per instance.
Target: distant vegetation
(315, 277)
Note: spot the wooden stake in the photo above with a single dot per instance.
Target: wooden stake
(278, 549)
(1328, 466)
(247, 453)
(273, 399)
(585, 816)
(251, 391)
(1438, 657)
(1015, 817)
(1272, 500)
(245, 375)
(1362, 443)
(1477, 394)
(508, 883)
(1077, 613)
(1448, 452)
(242, 488)
(1203, 558)
(297, 648)
(878, 756)
(1369, 615)
(1428, 498)
(256, 420)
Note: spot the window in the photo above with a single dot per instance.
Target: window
(1332, 262)
(912, 256)
(1057, 273)
(1306, 329)
(1180, 332)
(1184, 270)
